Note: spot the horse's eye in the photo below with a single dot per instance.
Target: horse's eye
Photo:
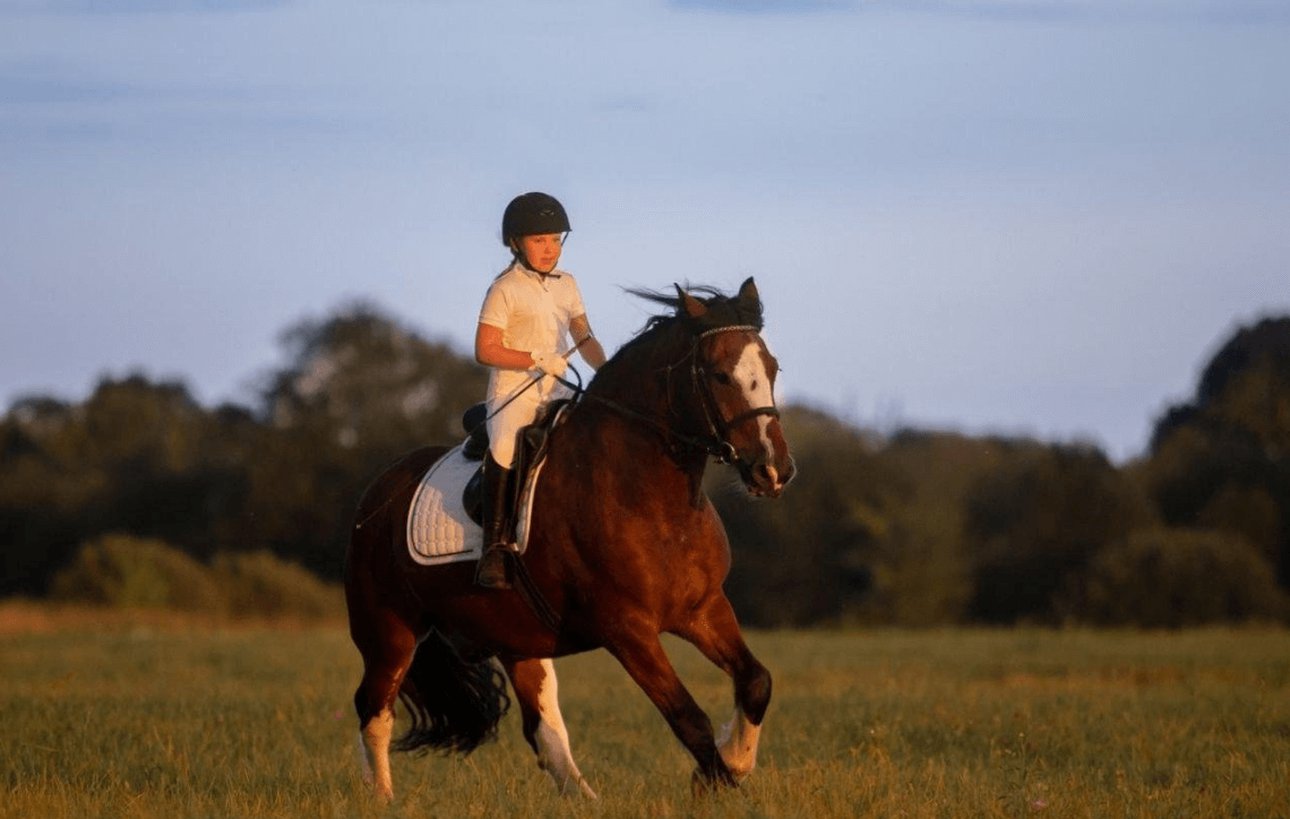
(721, 378)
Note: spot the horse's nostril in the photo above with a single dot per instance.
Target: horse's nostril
(790, 470)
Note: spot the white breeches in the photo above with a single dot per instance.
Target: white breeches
(506, 424)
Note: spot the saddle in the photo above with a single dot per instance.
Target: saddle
(529, 453)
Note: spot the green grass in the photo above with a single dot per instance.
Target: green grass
(248, 721)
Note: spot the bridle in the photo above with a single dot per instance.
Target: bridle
(716, 441)
(719, 427)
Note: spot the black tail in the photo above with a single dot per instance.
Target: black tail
(454, 705)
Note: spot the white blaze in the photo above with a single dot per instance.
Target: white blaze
(751, 376)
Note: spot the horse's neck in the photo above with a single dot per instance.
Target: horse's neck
(647, 384)
(642, 402)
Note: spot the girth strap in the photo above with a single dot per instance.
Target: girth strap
(532, 595)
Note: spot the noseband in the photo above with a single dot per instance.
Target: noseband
(718, 427)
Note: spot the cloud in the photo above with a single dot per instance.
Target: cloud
(765, 6)
(30, 91)
(45, 102)
(625, 103)
(1213, 11)
(1238, 12)
(114, 7)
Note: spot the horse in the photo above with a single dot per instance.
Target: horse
(623, 546)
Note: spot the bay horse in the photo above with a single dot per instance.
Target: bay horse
(623, 546)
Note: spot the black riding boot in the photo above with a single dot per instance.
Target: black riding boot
(492, 569)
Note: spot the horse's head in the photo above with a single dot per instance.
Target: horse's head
(734, 382)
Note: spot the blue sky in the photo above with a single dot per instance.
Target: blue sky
(1011, 216)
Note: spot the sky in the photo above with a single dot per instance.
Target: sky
(1015, 217)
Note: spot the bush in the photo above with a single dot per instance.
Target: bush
(1170, 578)
(258, 583)
(124, 571)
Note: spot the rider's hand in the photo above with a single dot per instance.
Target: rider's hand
(550, 363)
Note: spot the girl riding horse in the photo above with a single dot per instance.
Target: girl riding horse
(623, 546)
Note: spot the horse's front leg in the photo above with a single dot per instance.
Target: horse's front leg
(536, 690)
(715, 632)
(643, 656)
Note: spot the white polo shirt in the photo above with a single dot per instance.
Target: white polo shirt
(533, 312)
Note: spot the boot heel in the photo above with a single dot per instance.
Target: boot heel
(492, 571)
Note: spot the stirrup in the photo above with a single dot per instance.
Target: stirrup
(494, 568)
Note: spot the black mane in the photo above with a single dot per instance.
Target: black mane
(666, 337)
(723, 310)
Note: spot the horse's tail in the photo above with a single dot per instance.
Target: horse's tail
(454, 705)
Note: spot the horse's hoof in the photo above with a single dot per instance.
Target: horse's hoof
(577, 787)
(702, 784)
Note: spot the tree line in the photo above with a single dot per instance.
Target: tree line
(919, 527)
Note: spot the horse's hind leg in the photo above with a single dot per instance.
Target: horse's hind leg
(536, 690)
(387, 654)
(715, 632)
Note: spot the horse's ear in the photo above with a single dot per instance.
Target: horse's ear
(748, 292)
(692, 307)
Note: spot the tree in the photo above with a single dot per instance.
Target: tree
(926, 574)
(364, 382)
(809, 556)
(41, 501)
(1035, 522)
(142, 458)
(358, 390)
(1171, 578)
(135, 457)
(1222, 460)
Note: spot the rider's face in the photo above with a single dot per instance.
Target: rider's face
(542, 250)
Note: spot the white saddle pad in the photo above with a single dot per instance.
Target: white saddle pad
(439, 530)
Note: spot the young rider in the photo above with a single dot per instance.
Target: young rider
(531, 310)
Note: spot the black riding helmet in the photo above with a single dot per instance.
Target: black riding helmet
(533, 213)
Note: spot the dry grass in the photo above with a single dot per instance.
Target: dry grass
(152, 718)
(19, 617)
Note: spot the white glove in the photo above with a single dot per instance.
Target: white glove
(550, 363)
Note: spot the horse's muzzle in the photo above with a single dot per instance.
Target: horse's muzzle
(765, 479)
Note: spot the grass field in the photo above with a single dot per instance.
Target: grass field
(153, 718)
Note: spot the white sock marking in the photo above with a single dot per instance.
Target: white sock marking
(737, 742)
(376, 752)
(552, 738)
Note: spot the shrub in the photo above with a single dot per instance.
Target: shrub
(258, 583)
(1170, 578)
(125, 571)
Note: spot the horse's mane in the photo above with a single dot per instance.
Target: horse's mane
(723, 310)
(667, 334)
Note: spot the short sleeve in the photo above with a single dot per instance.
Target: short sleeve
(496, 310)
(573, 300)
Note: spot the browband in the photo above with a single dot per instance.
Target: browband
(729, 329)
